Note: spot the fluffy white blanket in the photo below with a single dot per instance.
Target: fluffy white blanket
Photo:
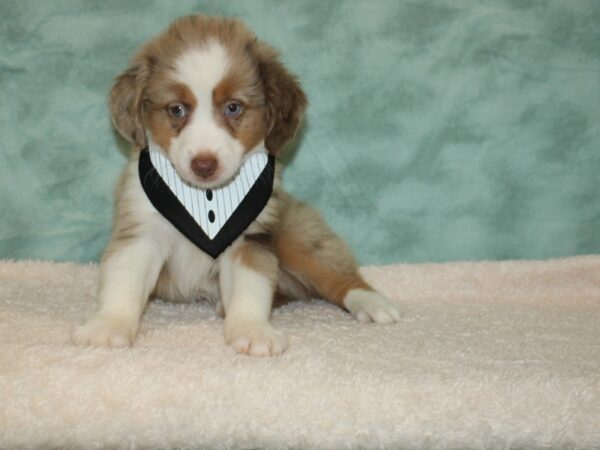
(488, 355)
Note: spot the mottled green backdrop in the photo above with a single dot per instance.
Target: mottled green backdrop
(437, 130)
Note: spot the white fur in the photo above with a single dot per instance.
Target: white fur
(129, 274)
(246, 298)
(127, 278)
(371, 306)
(189, 267)
(202, 69)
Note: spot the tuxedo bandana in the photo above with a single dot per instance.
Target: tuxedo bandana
(211, 218)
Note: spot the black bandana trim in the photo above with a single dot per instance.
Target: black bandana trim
(169, 206)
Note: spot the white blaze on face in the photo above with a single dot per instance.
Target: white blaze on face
(202, 69)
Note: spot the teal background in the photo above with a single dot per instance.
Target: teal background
(437, 130)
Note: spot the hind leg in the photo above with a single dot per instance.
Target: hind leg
(321, 262)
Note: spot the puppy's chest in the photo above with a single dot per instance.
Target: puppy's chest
(188, 274)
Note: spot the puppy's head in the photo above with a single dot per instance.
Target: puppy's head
(207, 92)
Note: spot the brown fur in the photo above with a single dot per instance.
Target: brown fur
(284, 98)
(312, 253)
(125, 104)
(244, 87)
(157, 118)
(259, 258)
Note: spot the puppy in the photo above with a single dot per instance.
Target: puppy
(208, 95)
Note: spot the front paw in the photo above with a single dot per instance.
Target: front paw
(105, 331)
(255, 339)
(371, 306)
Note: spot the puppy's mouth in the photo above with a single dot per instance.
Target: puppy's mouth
(214, 181)
(205, 183)
(210, 184)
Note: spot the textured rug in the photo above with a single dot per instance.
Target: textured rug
(488, 355)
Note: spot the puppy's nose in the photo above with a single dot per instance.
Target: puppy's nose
(204, 165)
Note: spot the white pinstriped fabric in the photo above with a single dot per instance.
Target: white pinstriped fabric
(199, 203)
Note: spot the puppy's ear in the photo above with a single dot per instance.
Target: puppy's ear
(284, 97)
(125, 104)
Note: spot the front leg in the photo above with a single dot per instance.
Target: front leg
(248, 275)
(128, 273)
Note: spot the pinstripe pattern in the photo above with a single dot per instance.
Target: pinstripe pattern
(224, 200)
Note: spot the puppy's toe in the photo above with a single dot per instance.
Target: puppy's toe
(101, 331)
(256, 339)
(371, 306)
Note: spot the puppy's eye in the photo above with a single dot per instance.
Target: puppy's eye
(233, 109)
(177, 110)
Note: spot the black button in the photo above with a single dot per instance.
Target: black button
(211, 216)
(209, 195)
